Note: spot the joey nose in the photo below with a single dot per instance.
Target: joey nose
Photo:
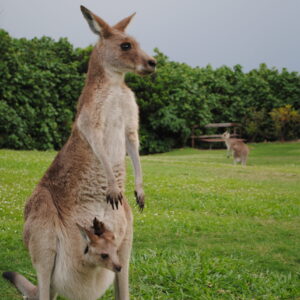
(152, 63)
(118, 268)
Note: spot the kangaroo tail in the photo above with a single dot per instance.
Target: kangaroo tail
(21, 283)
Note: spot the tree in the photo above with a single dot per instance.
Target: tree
(41, 80)
(284, 119)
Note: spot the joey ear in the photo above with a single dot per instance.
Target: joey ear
(122, 25)
(99, 227)
(96, 24)
(87, 236)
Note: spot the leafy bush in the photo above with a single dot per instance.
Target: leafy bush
(41, 80)
(178, 97)
(285, 119)
(39, 88)
(169, 103)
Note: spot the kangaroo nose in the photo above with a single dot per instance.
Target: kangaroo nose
(118, 268)
(152, 63)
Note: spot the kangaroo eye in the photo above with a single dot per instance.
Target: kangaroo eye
(104, 256)
(125, 46)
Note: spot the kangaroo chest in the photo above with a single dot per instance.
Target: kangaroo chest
(107, 118)
(116, 108)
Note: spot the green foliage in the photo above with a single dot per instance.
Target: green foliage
(38, 91)
(41, 80)
(285, 119)
(179, 96)
(256, 124)
(169, 104)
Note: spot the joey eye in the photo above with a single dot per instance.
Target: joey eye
(104, 256)
(125, 46)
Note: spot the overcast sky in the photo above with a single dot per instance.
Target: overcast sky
(197, 32)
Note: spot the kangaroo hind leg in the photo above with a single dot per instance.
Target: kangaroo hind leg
(44, 270)
(43, 249)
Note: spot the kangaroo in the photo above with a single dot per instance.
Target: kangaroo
(236, 147)
(96, 254)
(86, 178)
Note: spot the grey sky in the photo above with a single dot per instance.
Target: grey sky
(198, 32)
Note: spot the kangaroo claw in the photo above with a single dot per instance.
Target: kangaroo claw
(114, 199)
(140, 200)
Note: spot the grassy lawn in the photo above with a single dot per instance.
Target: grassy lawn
(209, 231)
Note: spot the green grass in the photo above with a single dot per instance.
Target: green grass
(209, 231)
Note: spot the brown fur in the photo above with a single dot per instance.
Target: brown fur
(237, 147)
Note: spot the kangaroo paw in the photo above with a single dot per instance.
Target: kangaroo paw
(114, 197)
(140, 199)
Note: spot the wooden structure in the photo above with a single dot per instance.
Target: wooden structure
(213, 138)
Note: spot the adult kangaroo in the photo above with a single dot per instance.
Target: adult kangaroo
(86, 179)
(236, 147)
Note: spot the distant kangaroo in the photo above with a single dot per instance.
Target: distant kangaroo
(88, 172)
(236, 147)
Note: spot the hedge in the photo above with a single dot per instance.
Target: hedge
(41, 80)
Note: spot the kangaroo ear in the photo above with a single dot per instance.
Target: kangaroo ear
(122, 25)
(87, 235)
(99, 227)
(96, 24)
